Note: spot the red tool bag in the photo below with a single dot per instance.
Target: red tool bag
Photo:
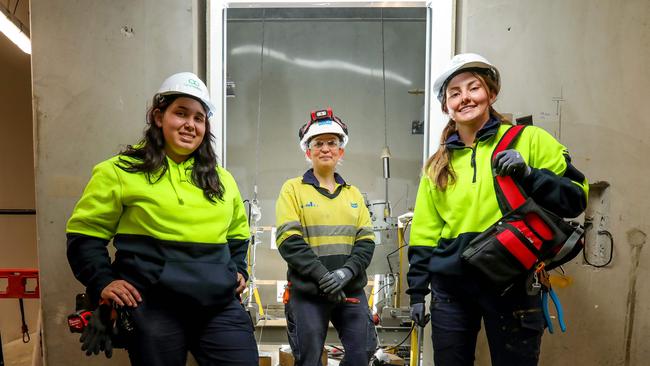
(525, 237)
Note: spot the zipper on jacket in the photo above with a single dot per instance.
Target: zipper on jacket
(174, 171)
(473, 162)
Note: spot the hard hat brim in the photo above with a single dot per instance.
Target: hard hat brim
(187, 83)
(315, 130)
(444, 77)
(206, 103)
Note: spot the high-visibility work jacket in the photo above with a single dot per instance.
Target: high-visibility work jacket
(318, 231)
(444, 222)
(165, 232)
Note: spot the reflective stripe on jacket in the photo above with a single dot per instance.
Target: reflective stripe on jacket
(318, 231)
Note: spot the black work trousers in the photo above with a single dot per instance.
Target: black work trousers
(308, 318)
(166, 329)
(514, 322)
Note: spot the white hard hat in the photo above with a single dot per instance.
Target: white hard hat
(190, 84)
(322, 122)
(461, 62)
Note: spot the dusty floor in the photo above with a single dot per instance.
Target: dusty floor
(17, 353)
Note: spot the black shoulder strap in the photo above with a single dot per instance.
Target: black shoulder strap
(509, 194)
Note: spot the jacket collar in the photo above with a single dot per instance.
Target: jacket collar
(189, 162)
(310, 178)
(488, 130)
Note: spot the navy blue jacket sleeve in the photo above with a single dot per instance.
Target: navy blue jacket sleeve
(301, 257)
(360, 256)
(90, 263)
(562, 195)
(238, 251)
(418, 275)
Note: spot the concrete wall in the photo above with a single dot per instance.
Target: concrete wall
(594, 56)
(17, 233)
(332, 60)
(96, 64)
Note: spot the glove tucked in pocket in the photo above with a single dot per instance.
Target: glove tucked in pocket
(97, 335)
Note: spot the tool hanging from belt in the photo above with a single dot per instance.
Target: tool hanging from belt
(558, 308)
(542, 283)
(287, 295)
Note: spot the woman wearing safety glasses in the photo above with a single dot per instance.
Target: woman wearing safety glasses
(324, 234)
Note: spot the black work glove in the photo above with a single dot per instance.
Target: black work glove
(510, 162)
(332, 282)
(96, 336)
(337, 297)
(418, 314)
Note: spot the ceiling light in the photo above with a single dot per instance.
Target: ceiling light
(14, 34)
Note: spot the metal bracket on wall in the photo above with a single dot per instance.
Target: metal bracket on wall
(17, 288)
(599, 242)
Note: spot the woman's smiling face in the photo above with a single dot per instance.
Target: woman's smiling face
(183, 124)
(468, 100)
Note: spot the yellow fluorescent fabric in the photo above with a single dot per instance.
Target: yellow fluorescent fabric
(471, 206)
(320, 220)
(119, 202)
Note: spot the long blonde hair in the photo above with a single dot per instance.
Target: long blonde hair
(438, 167)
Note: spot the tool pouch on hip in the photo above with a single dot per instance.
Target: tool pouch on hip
(526, 235)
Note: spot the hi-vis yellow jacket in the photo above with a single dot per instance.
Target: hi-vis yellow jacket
(444, 222)
(165, 233)
(318, 231)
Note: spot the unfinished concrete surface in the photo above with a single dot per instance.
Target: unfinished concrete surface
(95, 66)
(18, 232)
(579, 67)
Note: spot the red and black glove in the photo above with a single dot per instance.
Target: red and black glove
(97, 335)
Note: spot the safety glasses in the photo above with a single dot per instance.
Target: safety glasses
(320, 144)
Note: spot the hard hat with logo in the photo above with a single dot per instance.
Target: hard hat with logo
(322, 122)
(189, 84)
(464, 62)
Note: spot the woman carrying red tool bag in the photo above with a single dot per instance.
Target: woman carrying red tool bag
(527, 237)
(457, 201)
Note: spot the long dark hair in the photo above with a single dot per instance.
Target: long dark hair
(438, 166)
(149, 154)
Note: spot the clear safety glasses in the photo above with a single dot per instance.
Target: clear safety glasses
(320, 144)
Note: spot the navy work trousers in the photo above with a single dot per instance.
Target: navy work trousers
(166, 329)
(514, 322)
(308, 318)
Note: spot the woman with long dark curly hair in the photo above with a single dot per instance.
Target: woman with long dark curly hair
(178, 223)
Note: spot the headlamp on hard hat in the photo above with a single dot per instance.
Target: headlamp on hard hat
(322, 121)
(320, 116)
